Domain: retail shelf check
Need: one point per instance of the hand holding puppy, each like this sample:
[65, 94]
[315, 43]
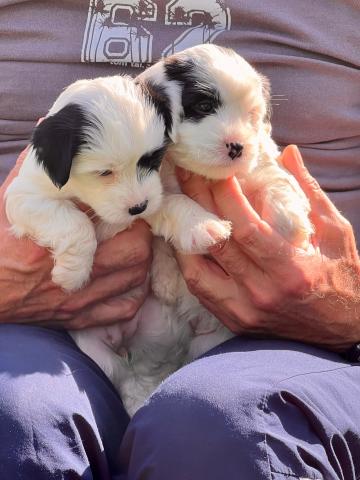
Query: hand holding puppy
[116, 291]
[259, 283]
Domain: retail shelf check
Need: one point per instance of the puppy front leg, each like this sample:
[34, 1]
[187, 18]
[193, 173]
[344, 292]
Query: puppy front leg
[188, 226]
[165, 272]
[58, 225]
[190, 229]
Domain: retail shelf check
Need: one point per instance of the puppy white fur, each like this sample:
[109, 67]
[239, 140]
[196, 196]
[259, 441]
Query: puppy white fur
[219, 125]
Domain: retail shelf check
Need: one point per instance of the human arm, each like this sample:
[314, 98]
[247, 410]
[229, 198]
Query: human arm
[117, 288]
[260, 284]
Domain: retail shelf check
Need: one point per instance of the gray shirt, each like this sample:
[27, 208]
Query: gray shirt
[309, 50]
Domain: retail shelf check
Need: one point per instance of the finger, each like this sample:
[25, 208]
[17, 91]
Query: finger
[258, 284]
[254, 236]
[334, 231]
[235, 262]
[104, 287]
[118, 308]
[210, 284]
[126, 249]
[216, 290]
[292, 160]
[197, 188]
[204, 278]
[108, 312]
[220, 313]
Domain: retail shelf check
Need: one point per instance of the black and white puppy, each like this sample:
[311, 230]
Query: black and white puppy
[101, 144]
[217, 115]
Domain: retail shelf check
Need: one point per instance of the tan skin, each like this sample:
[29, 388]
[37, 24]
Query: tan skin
[117, 289]
[258, 283]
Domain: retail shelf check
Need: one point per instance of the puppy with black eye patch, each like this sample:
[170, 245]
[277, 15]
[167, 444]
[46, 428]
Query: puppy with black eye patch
[217, 117]
[101, 144]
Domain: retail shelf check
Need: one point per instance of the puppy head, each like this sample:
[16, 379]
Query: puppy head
[219, 107]
[102, 143]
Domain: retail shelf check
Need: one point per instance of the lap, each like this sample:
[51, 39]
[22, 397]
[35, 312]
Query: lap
[258, 409]
[267, 409]
[59, 413]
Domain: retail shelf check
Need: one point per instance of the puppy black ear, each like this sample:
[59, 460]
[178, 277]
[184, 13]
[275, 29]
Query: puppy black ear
[159, 97]
[57, 139]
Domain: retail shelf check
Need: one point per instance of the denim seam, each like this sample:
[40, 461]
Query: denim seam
[293, 476]
[315, 373]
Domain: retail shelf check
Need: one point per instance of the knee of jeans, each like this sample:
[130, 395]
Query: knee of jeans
[194, 415]
[37, 398]
[197, 405]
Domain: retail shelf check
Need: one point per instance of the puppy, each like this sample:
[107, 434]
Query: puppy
[217, 115]
[101, 144]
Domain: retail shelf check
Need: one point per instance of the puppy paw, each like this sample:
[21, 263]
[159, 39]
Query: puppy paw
[205, 234]
[17, 231]
[70, 279]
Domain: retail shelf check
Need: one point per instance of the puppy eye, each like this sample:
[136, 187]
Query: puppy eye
[105, 173]
[205, 106]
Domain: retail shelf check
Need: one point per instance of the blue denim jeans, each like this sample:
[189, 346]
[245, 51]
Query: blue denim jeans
[249, 409]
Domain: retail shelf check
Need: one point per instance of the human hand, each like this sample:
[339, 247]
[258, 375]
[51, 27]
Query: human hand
[259, 283]
[117, 289]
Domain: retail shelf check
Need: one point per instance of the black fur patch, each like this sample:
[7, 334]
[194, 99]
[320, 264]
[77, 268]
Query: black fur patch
[195, 91]
[58, 139]
[161, 101]
[152, 160]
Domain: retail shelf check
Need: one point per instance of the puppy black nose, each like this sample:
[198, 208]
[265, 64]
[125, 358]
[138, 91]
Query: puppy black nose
[137, 209]
[234, 150]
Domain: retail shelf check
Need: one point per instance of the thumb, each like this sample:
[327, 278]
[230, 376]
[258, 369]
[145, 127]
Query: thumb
[292, 160]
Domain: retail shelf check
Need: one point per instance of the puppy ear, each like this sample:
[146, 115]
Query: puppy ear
[160, 99]
[57, 139]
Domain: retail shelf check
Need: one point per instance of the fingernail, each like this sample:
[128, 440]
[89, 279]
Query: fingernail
[217, 248]
[291, 158]
[182, 174]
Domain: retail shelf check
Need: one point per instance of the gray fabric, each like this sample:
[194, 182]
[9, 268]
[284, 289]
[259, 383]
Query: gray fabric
[309, 50]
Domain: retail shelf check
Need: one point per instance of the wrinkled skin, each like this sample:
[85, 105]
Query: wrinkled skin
[258, 283]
